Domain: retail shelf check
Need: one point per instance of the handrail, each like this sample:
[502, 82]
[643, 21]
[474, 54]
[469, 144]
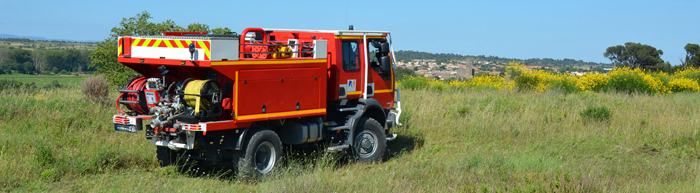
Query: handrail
[242, 39]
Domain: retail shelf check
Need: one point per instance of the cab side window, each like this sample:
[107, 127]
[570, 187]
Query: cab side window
[351, 56]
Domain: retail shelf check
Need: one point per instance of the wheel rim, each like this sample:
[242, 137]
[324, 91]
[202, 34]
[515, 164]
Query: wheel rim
[366, 144]
[265, 157]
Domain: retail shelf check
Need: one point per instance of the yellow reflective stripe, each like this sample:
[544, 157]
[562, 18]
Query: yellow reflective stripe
[157, 43]
[281, 114]
[120, 49]
[178, 43]
[217, 63]
[145, 42]
[167, 43]
[188, 42]
[136, 42]
[382, 91]
[355, 92]
[206, 50]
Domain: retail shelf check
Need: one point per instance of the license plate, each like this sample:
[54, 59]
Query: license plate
[127, 128]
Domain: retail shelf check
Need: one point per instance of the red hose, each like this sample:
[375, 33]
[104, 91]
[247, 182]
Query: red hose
[119, 108]
[138, 85]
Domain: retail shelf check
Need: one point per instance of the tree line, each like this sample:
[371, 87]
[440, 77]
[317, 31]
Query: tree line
[43, 61]
[408, 55]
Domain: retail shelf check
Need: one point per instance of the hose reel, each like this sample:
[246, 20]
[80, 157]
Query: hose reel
[202, 94]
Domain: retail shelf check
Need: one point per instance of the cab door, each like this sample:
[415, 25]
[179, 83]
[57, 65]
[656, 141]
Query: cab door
[381, 72]
[351, 68]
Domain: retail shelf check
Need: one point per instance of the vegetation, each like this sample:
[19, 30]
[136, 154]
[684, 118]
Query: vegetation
[452, 141]
[43, 61]
[692, 57]
[24, 43]
[635, 55]
[623, 80]
[96, 89]
[407, 55]
[44, 80]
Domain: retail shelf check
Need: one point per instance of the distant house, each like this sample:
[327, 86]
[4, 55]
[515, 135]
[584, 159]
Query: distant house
[466, 73]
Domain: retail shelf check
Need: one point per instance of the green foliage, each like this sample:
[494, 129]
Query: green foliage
[49, 174]
[414, 83]
[13, 84]
[43, 80]
[402, 73]
[54, 84]
[601, 113]
[563, 85]
[43, 154]
[42, 61]
[635, 55]
[692, 57]
[221, 31]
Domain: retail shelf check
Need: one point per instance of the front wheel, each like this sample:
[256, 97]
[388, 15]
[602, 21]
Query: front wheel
[369, 143]
[262, 153]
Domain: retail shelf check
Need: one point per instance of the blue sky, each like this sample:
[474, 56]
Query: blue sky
[579, 30]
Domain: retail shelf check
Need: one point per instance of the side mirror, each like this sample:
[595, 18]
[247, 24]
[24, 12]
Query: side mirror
[385, 64]
[384, 48]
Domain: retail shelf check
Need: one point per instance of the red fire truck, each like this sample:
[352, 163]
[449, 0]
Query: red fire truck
[237, 99]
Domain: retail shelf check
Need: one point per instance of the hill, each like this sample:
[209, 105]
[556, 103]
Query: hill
[403, 55]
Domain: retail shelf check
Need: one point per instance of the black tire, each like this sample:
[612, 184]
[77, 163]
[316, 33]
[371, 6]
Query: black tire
[166, 156]
[369, 142]
[262, 153]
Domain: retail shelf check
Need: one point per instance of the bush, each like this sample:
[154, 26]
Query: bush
[53, 84]
[13, 84]
[684, 85]
[96, 89]
[596, 113]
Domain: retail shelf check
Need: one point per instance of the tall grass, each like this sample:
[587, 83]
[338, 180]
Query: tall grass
[454, 140]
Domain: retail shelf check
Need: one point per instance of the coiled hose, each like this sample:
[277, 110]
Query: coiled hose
[138, 84]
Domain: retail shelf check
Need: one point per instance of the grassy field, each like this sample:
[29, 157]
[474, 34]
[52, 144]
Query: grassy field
[451, 141]
[42, 80]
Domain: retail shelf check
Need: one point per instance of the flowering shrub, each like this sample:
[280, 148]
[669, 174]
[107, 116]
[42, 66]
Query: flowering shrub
[623, 79]
[684, 85]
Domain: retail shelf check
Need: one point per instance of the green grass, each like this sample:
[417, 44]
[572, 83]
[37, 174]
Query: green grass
[451, 141]
[42, 80]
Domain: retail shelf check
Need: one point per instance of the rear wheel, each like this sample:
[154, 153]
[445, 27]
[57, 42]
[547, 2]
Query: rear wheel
[369, 142]
[262, 153]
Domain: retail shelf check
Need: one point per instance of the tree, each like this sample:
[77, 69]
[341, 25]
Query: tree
[38, 59]
[26, 68]
[220, 31]
[692, 57]
[635, 55]
[197, 27]
[4, 54]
